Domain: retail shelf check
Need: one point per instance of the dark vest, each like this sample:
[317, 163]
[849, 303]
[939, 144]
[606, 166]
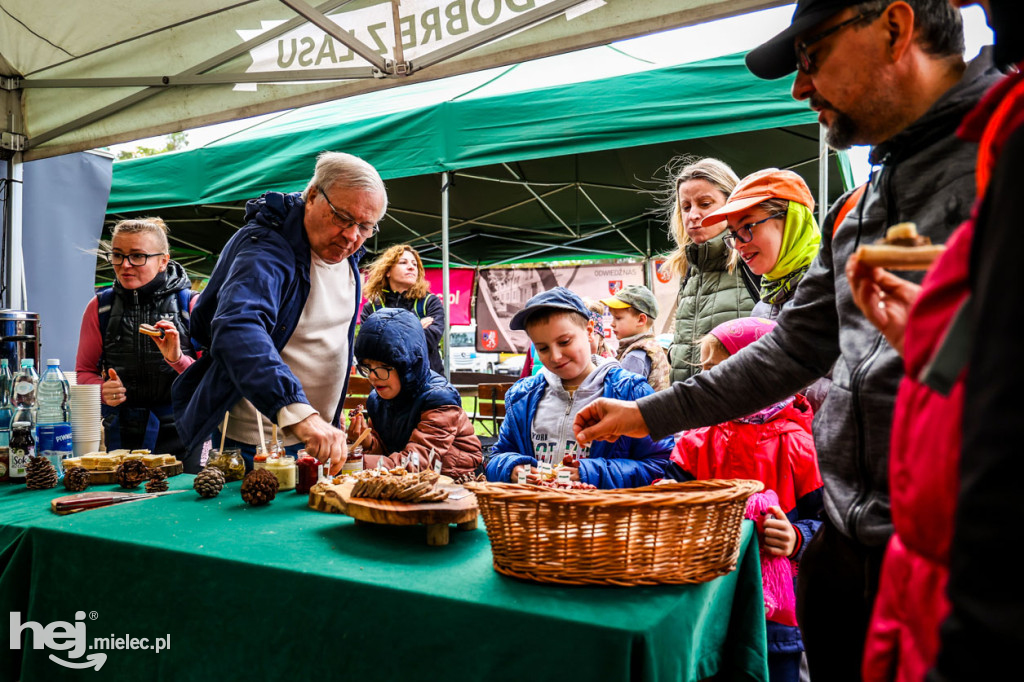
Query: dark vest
[146, 376]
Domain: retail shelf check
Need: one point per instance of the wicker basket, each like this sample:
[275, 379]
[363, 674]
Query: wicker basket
[665, 534]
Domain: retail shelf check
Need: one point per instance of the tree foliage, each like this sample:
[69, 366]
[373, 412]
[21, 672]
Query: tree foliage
[174, 142]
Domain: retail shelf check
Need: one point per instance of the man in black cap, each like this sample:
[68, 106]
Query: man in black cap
[888, 74]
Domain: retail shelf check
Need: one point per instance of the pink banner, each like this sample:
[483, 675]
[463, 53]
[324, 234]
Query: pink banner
[460, 291]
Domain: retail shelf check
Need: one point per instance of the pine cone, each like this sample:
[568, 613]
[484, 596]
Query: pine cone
[76, 479]
[131, 473]
[40, 474]
[157, 482]
[259, 487]
[209, 482]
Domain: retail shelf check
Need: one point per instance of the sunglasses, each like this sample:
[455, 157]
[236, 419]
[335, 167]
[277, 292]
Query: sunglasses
[804, 61]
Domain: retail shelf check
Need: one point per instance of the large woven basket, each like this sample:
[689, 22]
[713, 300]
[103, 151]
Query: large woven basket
[665, 534]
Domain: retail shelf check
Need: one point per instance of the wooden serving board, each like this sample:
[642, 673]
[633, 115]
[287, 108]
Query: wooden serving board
[436, 516]
[103, 477]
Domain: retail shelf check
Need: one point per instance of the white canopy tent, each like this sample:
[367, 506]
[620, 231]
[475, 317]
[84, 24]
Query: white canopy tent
[75, 76]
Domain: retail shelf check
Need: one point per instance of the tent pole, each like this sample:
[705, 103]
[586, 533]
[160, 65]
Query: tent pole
[16, 298]
[445, 184]
[822, 176]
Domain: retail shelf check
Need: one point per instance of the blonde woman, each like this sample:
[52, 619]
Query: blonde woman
[135, 373]
[712, 289]
[396, 280]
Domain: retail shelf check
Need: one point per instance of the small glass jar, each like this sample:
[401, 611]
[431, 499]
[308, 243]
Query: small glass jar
[354, 462]
[308, 472]
[230, 462]
[285, 470]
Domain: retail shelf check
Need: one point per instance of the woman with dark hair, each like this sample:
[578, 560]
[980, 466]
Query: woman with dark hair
[396, 280]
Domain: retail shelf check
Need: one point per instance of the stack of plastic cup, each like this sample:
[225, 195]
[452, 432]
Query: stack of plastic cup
[86, 418]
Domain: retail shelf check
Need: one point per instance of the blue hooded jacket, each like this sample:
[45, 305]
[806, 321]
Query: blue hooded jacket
[395, 337]
[626, 463]
[245, 316]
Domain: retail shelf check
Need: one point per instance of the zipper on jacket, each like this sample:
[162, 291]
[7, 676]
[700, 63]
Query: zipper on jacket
[694, 344]
[561, 427]
[860, 502]
[856, 511]
[140, 360]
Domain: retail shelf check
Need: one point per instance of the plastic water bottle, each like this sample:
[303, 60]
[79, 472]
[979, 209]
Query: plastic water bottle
[23, 395]
[53, 416]
[6, 407]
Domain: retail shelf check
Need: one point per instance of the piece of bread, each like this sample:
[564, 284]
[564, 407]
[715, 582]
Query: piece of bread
[150, 330]
[106, 462]
[152, 460]
[91, 461]
[901, 249]
[899, 257]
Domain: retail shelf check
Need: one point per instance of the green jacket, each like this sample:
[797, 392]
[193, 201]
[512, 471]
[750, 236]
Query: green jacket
[709, 296]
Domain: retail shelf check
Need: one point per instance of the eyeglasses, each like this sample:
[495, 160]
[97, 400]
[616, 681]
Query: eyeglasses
[136, 259]
[345, 221]
[379, 373]
[804, 62]
[744, 234]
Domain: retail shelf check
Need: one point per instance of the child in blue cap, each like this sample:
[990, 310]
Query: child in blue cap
[539, 410]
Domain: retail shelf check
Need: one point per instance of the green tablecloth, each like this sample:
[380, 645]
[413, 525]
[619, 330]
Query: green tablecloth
[285, 593]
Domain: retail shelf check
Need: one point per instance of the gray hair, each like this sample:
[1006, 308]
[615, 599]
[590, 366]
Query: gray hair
[154, 226]
[345, 170]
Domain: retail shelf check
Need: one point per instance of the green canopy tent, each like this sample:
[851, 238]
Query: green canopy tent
[560, 171]
[75, 76]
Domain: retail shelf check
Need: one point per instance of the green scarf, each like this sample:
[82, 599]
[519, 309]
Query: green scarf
[800, 241]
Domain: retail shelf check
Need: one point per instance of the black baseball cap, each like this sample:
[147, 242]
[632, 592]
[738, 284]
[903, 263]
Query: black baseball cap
[777, 57]
[558, 298]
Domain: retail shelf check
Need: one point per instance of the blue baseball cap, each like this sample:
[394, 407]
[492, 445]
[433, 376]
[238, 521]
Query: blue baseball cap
[558, 298]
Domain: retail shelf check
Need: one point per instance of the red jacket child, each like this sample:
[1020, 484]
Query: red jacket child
[774, 446]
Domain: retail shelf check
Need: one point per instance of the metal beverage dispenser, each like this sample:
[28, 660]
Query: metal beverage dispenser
[19, 337]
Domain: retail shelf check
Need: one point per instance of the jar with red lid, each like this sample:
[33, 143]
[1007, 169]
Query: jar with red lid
[308, 472]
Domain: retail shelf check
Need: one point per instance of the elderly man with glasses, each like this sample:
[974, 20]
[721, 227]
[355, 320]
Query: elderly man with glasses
[276, 322]
[890, 75]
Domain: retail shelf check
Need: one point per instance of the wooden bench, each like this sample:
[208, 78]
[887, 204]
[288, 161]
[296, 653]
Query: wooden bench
[491, 404]
[358, 391]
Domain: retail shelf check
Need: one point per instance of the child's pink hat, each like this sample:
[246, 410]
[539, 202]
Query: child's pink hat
[737, 334]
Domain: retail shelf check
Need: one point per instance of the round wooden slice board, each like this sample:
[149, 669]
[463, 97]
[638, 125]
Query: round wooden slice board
[338, 500]
[103, 477]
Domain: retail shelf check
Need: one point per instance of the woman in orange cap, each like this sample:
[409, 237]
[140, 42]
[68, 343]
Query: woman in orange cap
[772, 228]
